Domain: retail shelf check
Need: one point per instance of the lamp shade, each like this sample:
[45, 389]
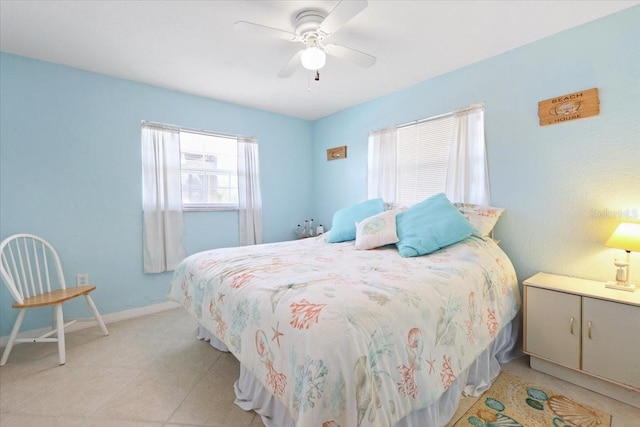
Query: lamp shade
[626, 237]
[313, 58]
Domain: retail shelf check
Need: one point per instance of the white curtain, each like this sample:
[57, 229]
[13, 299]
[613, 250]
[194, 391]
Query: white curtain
[381, 168]
[161, 199]
[249, 196]
[468, 174]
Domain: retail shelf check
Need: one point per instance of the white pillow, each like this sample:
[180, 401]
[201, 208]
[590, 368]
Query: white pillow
[483, 218]
[377, 230]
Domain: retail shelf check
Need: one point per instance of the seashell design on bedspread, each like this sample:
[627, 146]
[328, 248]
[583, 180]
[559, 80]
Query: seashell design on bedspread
[346, 337]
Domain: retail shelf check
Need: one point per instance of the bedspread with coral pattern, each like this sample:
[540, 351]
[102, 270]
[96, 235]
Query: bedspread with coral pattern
[344, 337]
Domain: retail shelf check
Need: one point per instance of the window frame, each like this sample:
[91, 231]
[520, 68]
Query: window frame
[208, 207]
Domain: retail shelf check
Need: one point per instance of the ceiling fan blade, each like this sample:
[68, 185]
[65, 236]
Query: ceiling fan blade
[291, 66]
[263, 30]
[341, 14]
[360, 58]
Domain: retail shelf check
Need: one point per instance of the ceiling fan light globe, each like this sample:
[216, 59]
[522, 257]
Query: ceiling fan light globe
[313, 58]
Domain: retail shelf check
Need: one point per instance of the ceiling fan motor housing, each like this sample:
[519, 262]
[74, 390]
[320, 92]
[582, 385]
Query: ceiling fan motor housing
[308, 24]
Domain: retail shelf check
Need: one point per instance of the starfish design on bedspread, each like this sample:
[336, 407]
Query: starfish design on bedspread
[276, 334]
[431, 362]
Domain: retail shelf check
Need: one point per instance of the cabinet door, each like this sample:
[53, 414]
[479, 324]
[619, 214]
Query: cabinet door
[553, 326]
[611, 340]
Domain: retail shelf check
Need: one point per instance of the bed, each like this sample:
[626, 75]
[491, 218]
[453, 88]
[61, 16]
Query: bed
[328, 335]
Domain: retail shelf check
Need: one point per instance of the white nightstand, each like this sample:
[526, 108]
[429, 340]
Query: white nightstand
[584, 333]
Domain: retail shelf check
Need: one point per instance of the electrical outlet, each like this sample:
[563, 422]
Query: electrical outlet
[82, 279]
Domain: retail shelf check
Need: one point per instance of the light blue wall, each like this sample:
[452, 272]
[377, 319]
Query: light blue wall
[554, 180]
[70, 159]
[70, 171]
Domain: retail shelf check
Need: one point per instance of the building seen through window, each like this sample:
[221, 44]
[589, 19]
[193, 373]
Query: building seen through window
[209, 171]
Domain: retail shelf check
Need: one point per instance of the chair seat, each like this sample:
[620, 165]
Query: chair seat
[54, 297]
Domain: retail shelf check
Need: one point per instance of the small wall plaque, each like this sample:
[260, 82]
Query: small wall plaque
[337, 153]
[577, 105]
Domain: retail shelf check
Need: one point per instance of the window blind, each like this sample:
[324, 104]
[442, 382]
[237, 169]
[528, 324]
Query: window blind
[422, 159]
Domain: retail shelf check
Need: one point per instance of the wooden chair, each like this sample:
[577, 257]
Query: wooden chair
[32, 271]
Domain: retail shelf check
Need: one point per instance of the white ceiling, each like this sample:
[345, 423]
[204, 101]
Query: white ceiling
[192, 46]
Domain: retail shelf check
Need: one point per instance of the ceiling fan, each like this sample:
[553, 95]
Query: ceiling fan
[312, 28]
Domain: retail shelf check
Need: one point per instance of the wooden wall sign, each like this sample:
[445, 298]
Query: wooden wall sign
[572, 106]
[337, 153]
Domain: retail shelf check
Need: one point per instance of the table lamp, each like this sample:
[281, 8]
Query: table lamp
[625, 237]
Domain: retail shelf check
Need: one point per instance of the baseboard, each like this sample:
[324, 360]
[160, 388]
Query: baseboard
[607, 388]
[108, 318]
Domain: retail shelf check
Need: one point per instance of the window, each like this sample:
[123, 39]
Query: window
[443, 154]
[422, 159]
[209, 171]
[194, 170]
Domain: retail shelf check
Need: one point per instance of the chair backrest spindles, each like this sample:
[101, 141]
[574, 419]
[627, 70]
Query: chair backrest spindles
[11, 271]
[20, 274]
[26, 260]
[37, 264]
[24, 285]
[36, 260]
[29, 279]
[46, 267]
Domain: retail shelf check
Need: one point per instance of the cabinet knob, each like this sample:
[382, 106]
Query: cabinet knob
[589, 329]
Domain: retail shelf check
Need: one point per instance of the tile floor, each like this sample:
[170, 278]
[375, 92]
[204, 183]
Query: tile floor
[152, 372]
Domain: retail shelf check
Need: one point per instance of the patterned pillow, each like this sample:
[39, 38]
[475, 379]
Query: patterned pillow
[377, 230]
[390, 206]
[483, 218]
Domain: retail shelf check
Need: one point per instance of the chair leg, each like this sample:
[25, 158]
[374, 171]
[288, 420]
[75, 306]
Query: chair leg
[12, 337]
[96, 314]
[60, 327]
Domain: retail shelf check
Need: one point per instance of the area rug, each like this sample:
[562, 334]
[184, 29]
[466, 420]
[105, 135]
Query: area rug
[513, 402]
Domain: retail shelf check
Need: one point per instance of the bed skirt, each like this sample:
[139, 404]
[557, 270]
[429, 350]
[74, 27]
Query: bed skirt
[252, 396]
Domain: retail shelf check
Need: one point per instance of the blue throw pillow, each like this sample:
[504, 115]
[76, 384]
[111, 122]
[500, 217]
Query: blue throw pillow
[343, 225]
[430, 225]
